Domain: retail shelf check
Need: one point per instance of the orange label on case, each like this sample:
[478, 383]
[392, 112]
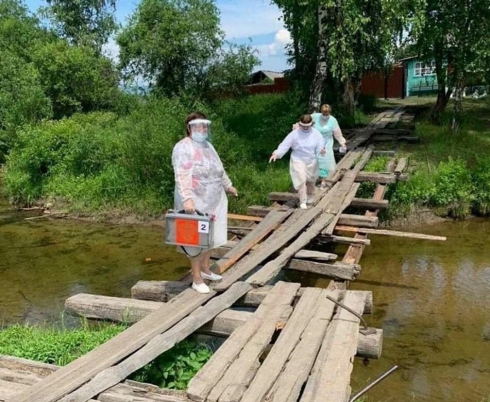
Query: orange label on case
[186, 232]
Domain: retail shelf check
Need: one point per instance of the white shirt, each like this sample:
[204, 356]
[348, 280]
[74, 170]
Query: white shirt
[305, 145]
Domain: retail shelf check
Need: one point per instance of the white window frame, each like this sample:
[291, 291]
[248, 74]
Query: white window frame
[423, 69]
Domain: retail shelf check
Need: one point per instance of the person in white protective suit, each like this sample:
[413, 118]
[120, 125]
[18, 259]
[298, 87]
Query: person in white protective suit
[201, 184]
[306, 144]
[328, 126]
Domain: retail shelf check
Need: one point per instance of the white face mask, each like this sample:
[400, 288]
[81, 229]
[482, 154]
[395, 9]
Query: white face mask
[199, 137]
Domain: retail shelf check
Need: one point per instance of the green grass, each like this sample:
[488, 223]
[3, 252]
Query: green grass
[451, 171]
[172, 369]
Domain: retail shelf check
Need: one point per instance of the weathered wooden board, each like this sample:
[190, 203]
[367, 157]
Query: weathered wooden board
[315, 255]
[395, 233]
[330, 378]
[370, 203]
[244, 218]
[344, 240]
[401, 165]
[73, 375]
[288, 386]
[271, 222]
[120, 309]
[158, 344]
[271, 368]
[289, 230]
[380, 177]
[237, 356]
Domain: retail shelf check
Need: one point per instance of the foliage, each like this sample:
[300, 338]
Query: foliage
[75, 78]
[176, 367]
[51, 345]
[177, 46]
[173, 369]
[83, 22]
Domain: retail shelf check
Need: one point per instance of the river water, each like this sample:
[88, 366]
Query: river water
[431, 299]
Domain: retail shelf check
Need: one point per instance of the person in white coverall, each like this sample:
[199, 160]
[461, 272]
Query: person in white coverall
[201, 184]
[306, 144]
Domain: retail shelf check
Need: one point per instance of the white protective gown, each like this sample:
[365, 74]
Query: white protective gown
[305, 146]
[200, 176]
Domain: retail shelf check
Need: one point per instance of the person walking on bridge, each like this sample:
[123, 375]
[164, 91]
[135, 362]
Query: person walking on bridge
[306, 144]
[201, 184]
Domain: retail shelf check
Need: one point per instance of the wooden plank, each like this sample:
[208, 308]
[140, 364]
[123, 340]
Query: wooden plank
[288, 386]
[400, 167]
[334, 202]
[380, 177]
[28, 372]
[395, 233]
[315, 255]
[270, 223]
[369, 203]
[344, 240]
[297, 222]
[120, 309]
[244, 218]
[159, 344]
[71, 376]
[407, 138]
[330, 378]
[271, 368]
[237, 356]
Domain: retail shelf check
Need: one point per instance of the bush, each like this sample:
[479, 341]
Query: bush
[481, 180]
[367, 103]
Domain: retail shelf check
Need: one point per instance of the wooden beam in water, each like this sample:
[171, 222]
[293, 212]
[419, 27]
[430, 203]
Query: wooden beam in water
[395, 233]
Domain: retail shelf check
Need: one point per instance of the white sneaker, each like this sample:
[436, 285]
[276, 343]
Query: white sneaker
[200, 288]
[212, 277]
[309, 201]
[303, 206]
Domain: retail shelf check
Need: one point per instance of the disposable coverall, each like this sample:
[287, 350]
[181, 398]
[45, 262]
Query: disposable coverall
[328, 130]
[200, 176]
[303, 164]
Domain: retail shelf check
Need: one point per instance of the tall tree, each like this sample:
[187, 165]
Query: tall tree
[83, 22]
[456, 36]
[178, 47]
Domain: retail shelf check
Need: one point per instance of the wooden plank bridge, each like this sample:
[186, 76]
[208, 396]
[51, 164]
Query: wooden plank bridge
[297, 345]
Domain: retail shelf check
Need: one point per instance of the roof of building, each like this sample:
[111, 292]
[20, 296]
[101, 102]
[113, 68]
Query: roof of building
[270, 74]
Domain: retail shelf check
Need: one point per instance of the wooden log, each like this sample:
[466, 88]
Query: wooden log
[270, 223]
[131, 310]
[359, 221]
[395, 233]
[345, 219]
[394, 131]
[271, 368]
[261, 211]
[73, 375]
[369, 203]
[384, 153]
[401, 166]
[152, 290]
[290, 382]
[158, 344]
[377, 177]
[407, 138]
[336, 270]
[228, 369]
[370, 346]
[283, 197]
[330, 377]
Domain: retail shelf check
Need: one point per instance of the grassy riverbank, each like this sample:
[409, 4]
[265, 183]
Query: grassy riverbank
[173, 369]
[117, 165]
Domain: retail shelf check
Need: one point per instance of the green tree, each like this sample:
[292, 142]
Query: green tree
[22, 99]
[76, 79]
[83, 22]
[177, 46]
[455, 36]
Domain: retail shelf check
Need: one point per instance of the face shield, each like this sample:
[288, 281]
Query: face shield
[305, 127]
[200, 130]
